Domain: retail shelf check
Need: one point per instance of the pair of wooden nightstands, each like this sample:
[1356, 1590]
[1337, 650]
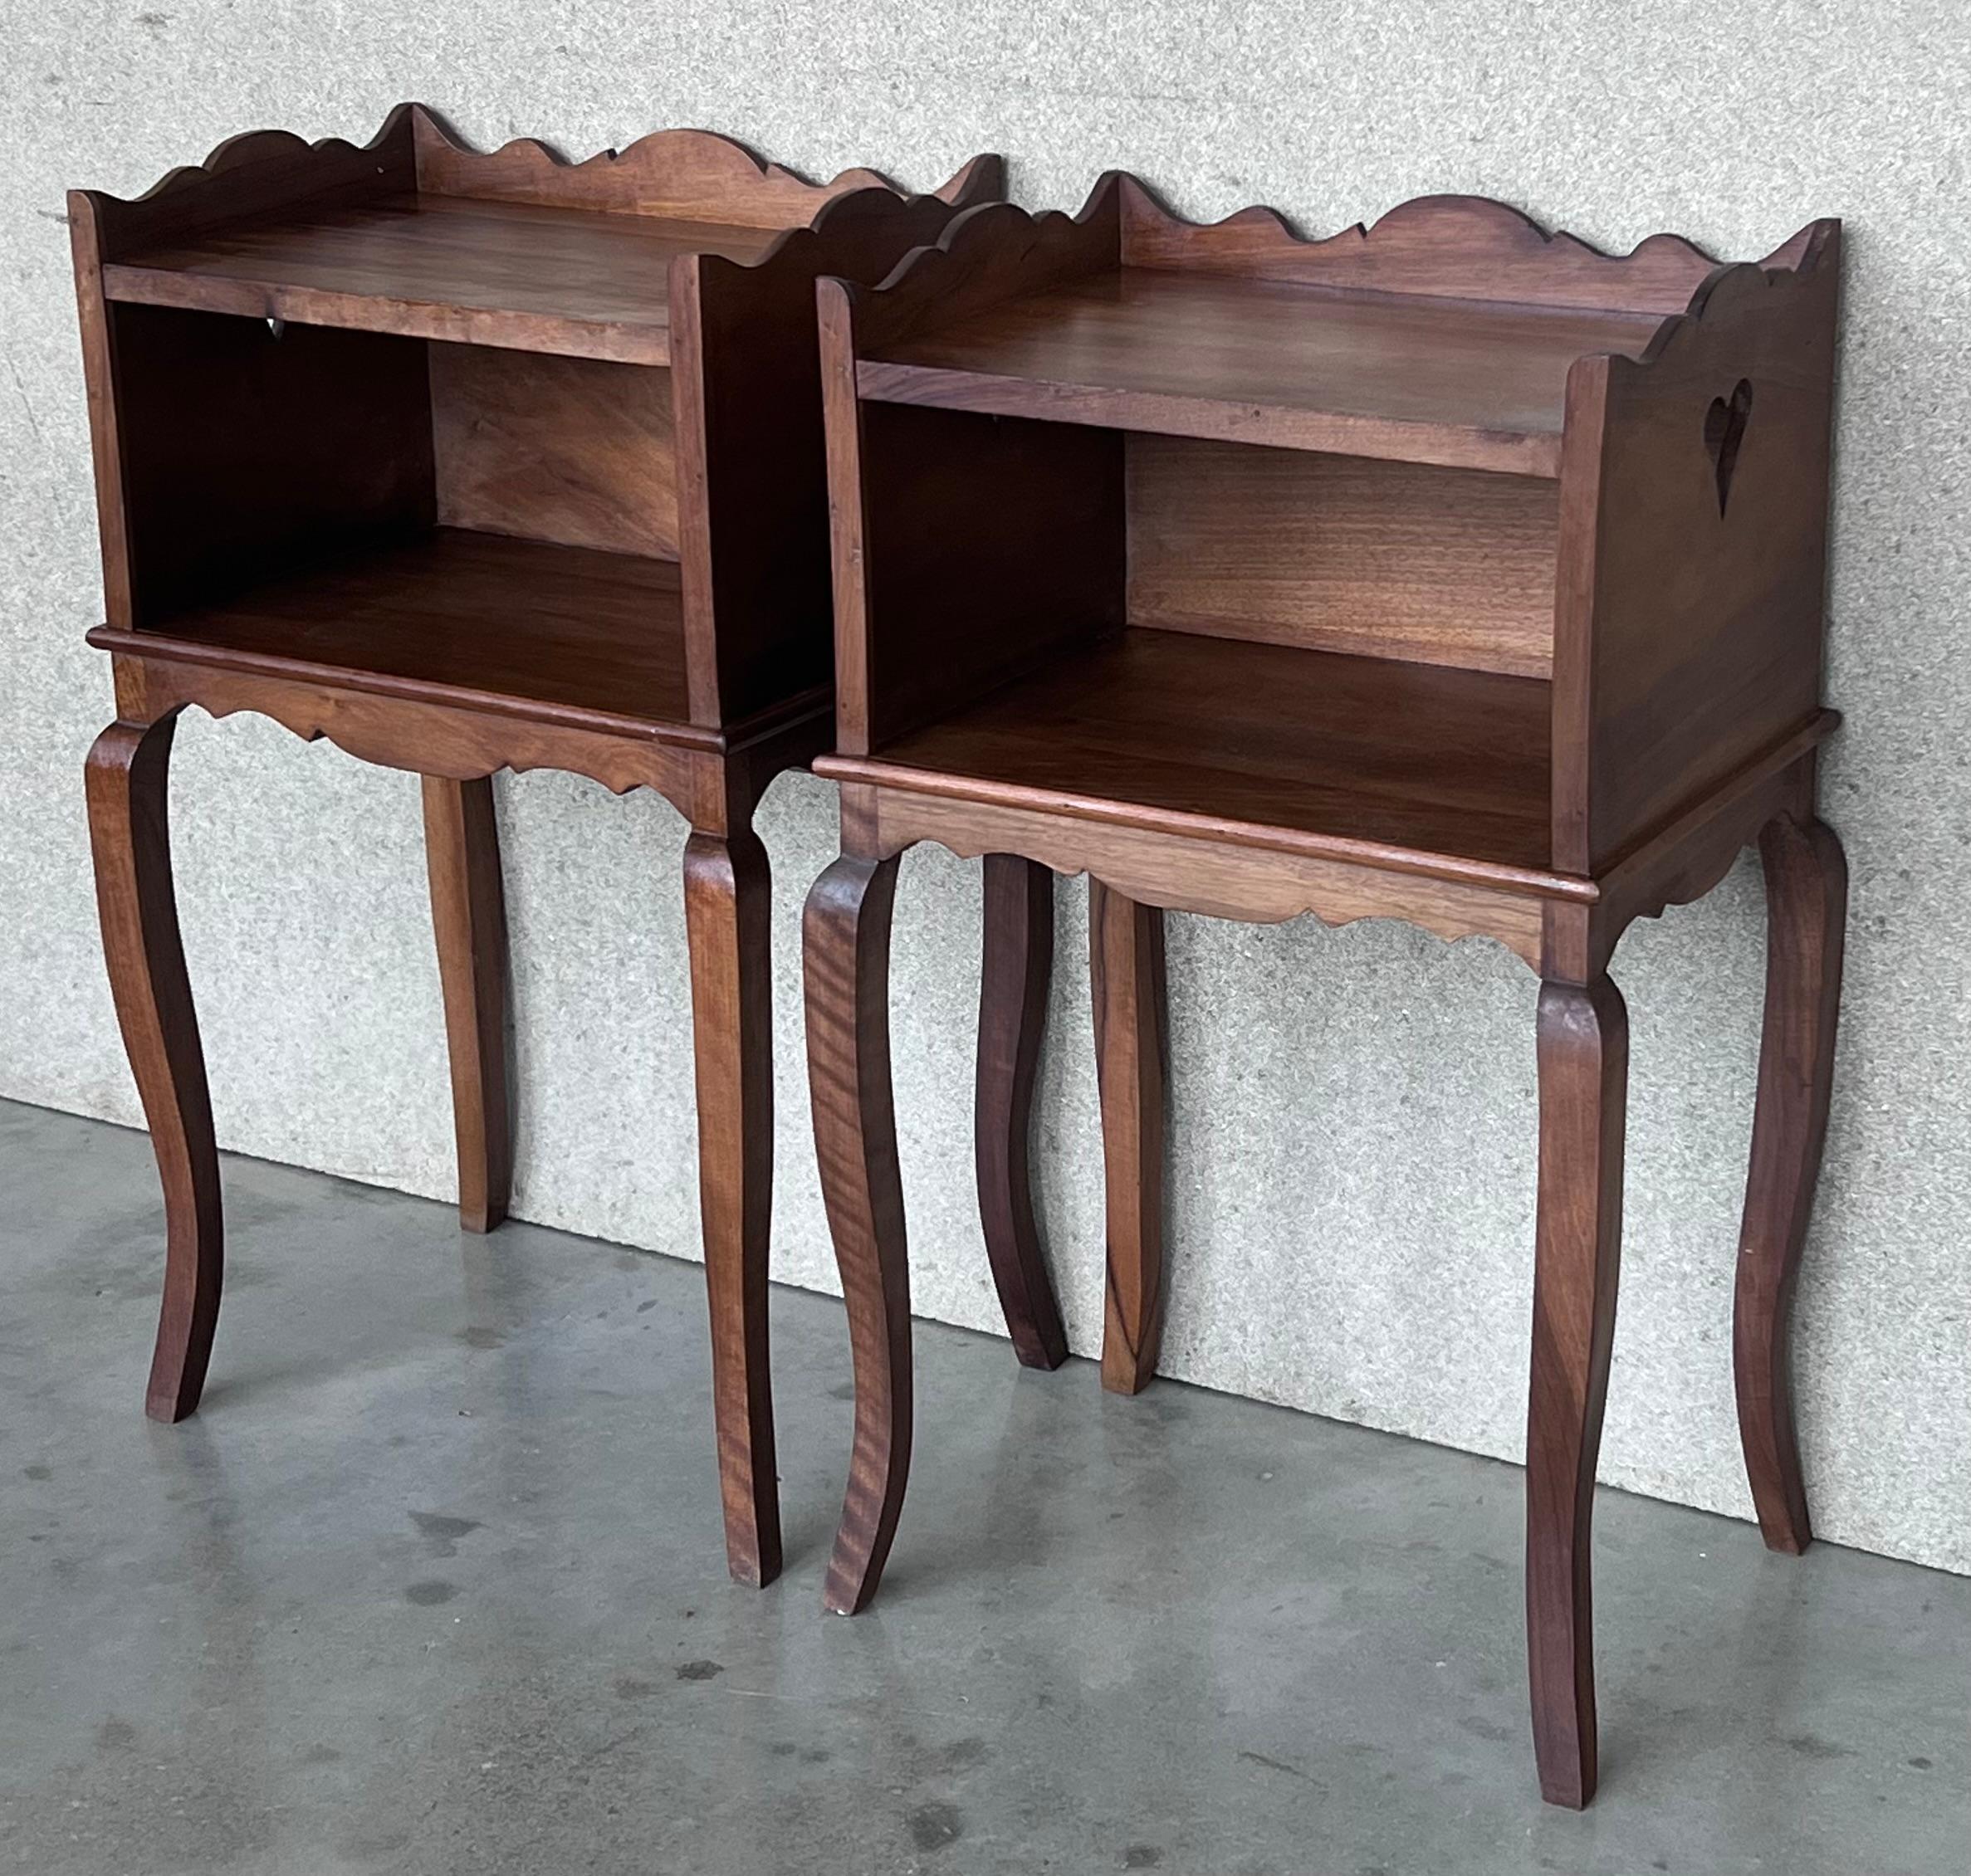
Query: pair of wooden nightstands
[1446, 571]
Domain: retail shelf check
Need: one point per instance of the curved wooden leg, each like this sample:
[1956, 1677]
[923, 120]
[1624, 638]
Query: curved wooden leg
[1806, 896]
[128, 774]
[1019, 962]
[1584, 1064]
[468, 917]
[1132, 1050]
[847, 968]
[727, 901]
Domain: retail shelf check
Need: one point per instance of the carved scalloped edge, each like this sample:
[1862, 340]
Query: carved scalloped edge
[1413, 247]
[1508, 232]
[422, 132]
[1281, 909]
[256, 146]
[976, 180]
[1727, 290]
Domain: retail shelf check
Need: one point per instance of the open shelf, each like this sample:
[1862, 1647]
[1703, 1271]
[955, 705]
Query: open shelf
[572, 282]
[1257, 737]
[525, 627]
[1459, 382]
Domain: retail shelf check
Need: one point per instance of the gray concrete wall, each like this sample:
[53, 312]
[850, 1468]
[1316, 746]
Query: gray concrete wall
[1315, 1072]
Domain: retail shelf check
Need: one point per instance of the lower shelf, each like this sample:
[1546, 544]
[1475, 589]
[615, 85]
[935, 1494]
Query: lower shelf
[459, 616]
[1419, 757]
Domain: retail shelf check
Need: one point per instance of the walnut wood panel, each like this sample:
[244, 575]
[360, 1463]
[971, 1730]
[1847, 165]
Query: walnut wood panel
[1337, 553]
[1415, 380]
[574, 450]
[1693, 552]
[1371, 750]
[244, 452]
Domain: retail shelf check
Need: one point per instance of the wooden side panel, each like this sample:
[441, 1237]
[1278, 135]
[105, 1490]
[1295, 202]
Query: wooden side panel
[752, 480]
[1342, 554]
[577, 451]
[1688, 635]
[247, 451]
[992, 545]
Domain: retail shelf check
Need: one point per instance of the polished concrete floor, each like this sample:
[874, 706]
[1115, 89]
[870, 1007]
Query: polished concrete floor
[433, 1583]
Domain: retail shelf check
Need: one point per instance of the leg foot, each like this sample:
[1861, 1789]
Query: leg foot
[1806, 891]
[847, 942]
[727, 898]
[128, 772]
[1584, 1061]
[1132, 1047]
[1018, 963]
[468, 916]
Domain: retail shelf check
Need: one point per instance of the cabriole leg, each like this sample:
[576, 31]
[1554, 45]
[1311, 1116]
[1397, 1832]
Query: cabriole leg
[1807, 894]
[128, 774]
[727, 900]
[468, 917]
[847, 967]
[1583, 1065]
[1131, 1047]
[1018, 963]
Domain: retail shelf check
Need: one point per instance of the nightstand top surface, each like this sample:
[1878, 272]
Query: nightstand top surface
[567, 280]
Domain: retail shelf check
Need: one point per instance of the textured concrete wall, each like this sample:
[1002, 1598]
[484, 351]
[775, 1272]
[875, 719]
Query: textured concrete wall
[1353, 1114]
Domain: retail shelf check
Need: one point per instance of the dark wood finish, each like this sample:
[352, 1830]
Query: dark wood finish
[1584, 1067]
[1017, 966]
[468, 917]
[1282, 743]
[568, 450]
[1688, 638]
[728, 907]
[1131, 1066]
[470, 461]
[1197, 355]
[561, 634]
[845, 963]
[1806, 894]
[1335, 553]
[1513, 631]
[129, 772]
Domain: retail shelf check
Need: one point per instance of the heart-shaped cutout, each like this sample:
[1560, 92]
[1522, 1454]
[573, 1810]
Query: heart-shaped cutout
[1724, 430]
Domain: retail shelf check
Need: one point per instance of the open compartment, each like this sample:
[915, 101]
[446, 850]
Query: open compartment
[494, 429]
[1334, 527]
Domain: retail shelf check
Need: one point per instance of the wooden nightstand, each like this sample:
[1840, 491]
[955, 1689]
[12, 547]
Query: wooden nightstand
[1446, 571]
[470, 463]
